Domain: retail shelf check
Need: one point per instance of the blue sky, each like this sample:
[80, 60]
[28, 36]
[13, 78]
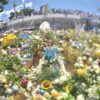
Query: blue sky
[85, 5]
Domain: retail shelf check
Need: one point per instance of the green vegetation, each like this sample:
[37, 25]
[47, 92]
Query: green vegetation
[25, 12]
[2, 3]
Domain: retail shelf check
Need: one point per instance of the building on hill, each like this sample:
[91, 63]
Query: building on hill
[44, 9]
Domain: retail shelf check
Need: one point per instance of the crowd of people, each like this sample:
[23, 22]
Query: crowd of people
[80, 26]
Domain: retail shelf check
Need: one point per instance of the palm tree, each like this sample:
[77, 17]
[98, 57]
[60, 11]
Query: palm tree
[14, 7]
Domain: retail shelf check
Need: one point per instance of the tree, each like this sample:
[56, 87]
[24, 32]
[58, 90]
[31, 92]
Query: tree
[2, 3]
[11, 15]
[27, 11]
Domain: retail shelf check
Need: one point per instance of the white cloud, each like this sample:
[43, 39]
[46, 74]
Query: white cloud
[29, 4]
[18, 8]
[23, 1]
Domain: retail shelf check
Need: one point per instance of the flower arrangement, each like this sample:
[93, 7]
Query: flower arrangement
[46, 81]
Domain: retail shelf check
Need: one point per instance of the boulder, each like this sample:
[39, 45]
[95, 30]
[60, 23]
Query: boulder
[44, 26]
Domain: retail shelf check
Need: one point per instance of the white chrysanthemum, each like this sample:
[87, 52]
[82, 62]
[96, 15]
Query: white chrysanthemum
[96, 66]
[80, 97]
[81, 64]
[84, 58]
[83, 85]
[92, 92]
[97, 71]
[6, 72]
[63, 78]
[90, 60]
[9, 91]
[36, 37]
[29, 85]
[1, 39]
[56, 81]
[98, 78]
[79, 59]
[76, 65]
[4, 52]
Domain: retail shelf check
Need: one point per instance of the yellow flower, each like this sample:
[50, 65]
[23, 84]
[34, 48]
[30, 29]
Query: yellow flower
[59, 98]
[9, 38]
[71, 31]
[54, 93]
[97, 53]
[37, 97]
[4, 80]
[81, 72]
[68, 88]
[11, 98]
[46, 84]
